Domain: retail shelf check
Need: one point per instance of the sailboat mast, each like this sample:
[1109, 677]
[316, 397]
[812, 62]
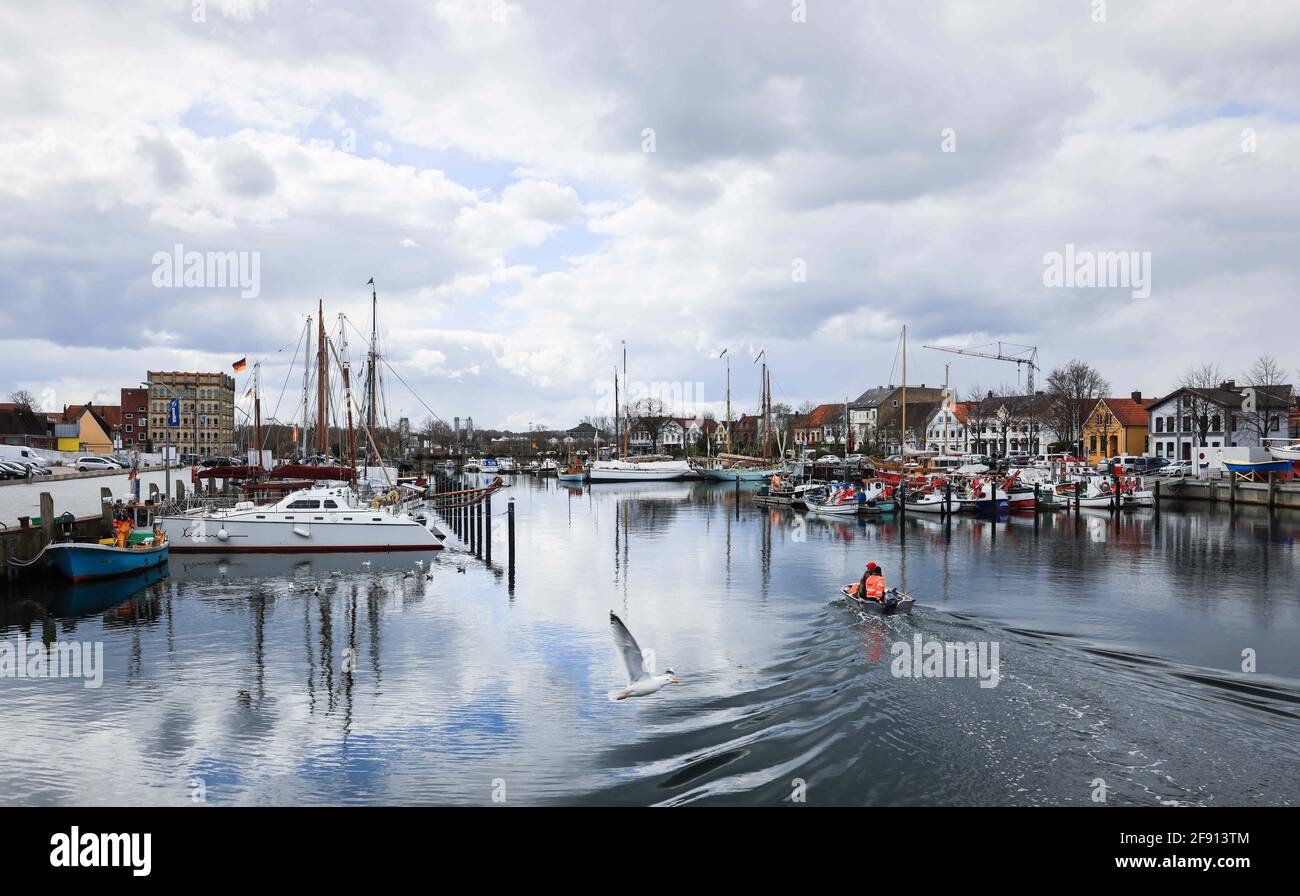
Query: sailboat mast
[306, 386]
[257, 414]
[374, 332]
[728, 404]
[947, 398]
[618, 432]
[902, 451]
[627, 416]
[347, 395]
[322, 382]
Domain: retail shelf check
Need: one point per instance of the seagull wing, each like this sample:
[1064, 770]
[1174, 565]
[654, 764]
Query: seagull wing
[628, 647]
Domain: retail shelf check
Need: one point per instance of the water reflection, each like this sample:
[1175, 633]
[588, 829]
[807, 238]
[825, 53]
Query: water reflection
[356, 678]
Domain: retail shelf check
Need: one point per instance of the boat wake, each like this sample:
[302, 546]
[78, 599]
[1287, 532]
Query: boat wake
[1069, 722]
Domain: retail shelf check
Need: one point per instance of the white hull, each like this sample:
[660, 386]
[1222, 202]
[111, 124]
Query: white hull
[1291, 453]
[280, 529]
[848, 508]
[652, 471]
[929, 506]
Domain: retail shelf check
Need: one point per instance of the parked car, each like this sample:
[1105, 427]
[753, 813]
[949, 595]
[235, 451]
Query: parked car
[93, 462]
[1174, 468]
[1019, 459]
[828, 459]
[855, 458]
[1130, 462]
[10, 470]
[217, 461]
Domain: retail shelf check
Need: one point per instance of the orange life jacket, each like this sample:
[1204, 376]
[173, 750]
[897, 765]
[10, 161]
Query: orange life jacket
[875, 587]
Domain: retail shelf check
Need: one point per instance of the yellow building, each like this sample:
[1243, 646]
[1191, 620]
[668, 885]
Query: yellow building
[93, 434]
[1117, 426]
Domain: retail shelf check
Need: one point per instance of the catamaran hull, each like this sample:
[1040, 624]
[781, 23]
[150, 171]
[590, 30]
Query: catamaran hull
[233, 536]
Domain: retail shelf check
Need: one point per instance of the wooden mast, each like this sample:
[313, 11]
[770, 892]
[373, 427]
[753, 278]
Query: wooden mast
[322, 381]
[345, 366]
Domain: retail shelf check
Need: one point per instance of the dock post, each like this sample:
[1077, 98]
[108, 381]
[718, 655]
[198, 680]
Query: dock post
[487, 529]
[1232, 489]
[180, 492]
[1037, 507]
[1272, 490]
[478, 528]
[947, 496]
[1078, 489]
[47, 518]
[1155, 496]
[106, 508]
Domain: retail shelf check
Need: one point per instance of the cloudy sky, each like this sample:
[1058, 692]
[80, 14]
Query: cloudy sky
[529, 184]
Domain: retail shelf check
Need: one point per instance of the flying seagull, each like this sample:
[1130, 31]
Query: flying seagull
[640, 683]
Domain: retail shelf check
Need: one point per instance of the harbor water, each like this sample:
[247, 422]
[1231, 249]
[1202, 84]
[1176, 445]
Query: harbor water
[1151, 659]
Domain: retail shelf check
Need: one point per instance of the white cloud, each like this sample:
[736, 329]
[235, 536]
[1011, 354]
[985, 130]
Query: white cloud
[507, 150]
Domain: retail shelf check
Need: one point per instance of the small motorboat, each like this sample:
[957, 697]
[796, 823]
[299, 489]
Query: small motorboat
[838, 499]
[901, 603]
[1138, 498]
[926, 502]
[574, 472]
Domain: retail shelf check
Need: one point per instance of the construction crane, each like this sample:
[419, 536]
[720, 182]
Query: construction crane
[1019, 358]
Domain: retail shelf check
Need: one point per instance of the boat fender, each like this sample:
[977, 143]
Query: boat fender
[222, 534]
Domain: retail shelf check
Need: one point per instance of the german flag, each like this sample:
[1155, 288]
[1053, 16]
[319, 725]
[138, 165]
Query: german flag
[240, 364]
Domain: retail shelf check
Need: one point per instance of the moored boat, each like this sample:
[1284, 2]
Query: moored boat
[305, 521]
[137, 546]
[631, 471]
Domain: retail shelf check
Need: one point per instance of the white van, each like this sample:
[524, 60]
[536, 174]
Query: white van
[21, 454]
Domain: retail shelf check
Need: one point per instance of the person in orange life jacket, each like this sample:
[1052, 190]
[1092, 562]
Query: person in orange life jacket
[872, 584]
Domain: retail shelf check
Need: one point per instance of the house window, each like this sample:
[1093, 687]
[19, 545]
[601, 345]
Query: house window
[1214, 423]
[1160, 424]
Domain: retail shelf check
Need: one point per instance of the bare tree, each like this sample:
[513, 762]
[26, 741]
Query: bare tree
[1265, 411]
[1073, 390]
[1198, 403]
[23, 398]
[977, 417]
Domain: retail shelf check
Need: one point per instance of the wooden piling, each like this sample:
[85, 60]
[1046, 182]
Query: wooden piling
[106, 508]
[1272, 490]
[180, 492]
[487, 529]
[47, 518]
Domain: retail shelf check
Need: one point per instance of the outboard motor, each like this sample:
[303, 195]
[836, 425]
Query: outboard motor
[66, 524]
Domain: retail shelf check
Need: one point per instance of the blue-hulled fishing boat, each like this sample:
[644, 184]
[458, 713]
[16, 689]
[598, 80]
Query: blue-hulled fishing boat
[136, 546]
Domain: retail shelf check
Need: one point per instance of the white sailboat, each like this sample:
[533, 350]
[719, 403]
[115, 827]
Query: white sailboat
[625, 470]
